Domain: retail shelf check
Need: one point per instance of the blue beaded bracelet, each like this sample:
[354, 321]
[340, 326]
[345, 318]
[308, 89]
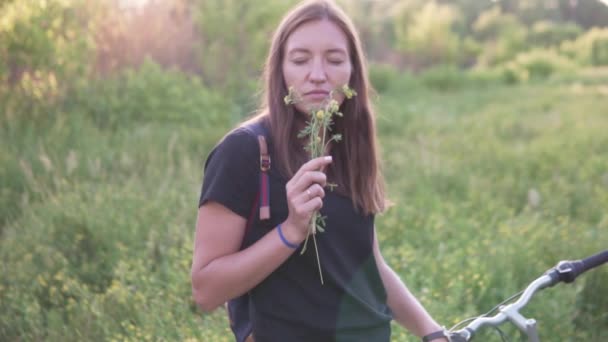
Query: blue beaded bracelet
[287, 243]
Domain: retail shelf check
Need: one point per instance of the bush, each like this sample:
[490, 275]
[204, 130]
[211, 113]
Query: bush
[588, 49]
[96, 263]
[599, 51]
[382, 76]
[513, 73]
[42, 38]
[484, 76]
[546, 33]
[148, 94]
[503, 37]
[492, 23]
[428, 36]
[592, 313]
[449, 77]
[535, 64]
[444, 77]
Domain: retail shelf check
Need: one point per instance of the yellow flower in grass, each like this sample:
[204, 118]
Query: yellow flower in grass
[320, 114]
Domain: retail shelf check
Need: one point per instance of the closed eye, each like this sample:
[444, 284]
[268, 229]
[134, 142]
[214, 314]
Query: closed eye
[336, 57]
[299, 61]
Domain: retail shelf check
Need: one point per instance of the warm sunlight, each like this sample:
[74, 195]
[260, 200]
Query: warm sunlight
[132, 4]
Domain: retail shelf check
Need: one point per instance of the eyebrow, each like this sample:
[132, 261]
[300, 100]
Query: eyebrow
[303, 50]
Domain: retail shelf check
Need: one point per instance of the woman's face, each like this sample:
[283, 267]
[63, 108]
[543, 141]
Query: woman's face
[316, 61]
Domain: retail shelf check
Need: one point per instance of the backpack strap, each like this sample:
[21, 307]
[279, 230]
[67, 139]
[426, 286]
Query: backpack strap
[264, 197]
[239, 308]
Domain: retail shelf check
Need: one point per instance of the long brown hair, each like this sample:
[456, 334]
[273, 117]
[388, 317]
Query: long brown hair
[355, 167]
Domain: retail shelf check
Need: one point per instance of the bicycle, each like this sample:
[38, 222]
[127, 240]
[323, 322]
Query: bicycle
[565, 271]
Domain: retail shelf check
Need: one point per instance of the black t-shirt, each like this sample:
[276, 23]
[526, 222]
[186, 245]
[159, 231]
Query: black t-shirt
[291, 304]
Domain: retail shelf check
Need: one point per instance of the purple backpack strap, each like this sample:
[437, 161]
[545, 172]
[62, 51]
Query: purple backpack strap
[264, 183]
[262, 199]
[238, 308]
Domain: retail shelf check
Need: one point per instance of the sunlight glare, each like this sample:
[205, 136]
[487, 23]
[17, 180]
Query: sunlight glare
[132, 4]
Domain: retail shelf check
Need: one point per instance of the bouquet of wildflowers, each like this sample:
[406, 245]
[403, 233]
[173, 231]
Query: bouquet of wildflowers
[318, 134]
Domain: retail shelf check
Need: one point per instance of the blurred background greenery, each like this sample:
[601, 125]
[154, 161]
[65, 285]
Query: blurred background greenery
[493, 120]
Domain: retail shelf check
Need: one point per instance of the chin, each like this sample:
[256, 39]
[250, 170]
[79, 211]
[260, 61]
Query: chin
[307, 107]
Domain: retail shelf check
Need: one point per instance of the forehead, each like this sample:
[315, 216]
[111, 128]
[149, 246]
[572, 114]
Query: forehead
[317, 35]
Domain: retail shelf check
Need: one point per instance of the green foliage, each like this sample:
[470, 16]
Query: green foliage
[382, 76]
[99, 264]
[147, 94]
[599, 51]
[492, 23]
[503, 36]
[43, 37]
[101, 246]
[444, 77]
[99, 177]
[96, 242]
[593, 314]
[589, 48]
[546, 33]
[467, 163]
[375, 22]
[450, 78]
[235, 40]
[427, 35]
[512, 73]
[483, 77]
[537, 64]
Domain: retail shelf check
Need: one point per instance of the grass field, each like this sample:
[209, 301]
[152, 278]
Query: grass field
[492, 185]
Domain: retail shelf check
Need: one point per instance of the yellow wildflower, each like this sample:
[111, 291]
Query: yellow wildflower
[333, 106]
[348, 92]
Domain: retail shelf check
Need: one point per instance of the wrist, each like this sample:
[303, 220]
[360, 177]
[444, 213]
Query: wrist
[439, 335]
[289, 235]
[292, 232]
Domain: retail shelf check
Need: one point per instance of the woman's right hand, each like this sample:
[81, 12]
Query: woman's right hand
[304, 196]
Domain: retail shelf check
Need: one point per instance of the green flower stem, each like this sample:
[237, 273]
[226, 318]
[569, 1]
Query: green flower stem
[316, 130]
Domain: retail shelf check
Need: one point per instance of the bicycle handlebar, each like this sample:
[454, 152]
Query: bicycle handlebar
[565, 271]
[569, 270]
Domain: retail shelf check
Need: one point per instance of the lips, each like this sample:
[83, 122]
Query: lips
[320, 91]
[317, 94]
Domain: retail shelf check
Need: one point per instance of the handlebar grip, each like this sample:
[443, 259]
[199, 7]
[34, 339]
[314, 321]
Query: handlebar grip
[567, 271]
[591, 262]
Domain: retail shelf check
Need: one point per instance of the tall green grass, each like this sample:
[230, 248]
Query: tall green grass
[492, 185]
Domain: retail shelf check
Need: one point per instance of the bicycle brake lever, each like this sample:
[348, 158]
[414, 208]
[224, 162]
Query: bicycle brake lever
[460, 336]
[564, 271]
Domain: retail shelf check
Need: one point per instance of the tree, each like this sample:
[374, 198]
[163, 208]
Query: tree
[235, 37]
[427, 34]
[44, 45]
[502, 34]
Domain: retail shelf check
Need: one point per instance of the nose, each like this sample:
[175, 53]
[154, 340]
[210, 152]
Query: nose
[317, 72]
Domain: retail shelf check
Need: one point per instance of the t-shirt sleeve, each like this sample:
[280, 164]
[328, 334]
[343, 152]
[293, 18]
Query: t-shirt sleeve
[232, 173]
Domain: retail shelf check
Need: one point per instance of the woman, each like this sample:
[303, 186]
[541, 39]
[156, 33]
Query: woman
[314, 51]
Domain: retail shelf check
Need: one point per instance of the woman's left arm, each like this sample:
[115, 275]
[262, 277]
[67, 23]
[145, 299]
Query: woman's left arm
[406, 309]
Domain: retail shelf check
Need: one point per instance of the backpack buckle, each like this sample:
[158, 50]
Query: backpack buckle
[264, 163]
